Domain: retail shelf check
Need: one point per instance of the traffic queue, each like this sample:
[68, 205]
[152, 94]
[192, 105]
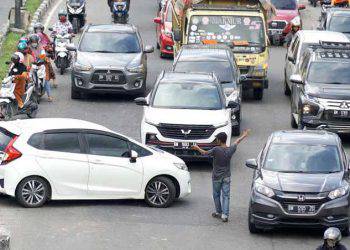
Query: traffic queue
[220, 51]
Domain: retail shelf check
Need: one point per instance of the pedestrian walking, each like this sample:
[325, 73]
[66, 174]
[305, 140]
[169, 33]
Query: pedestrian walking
[50, 75]
[221, 175]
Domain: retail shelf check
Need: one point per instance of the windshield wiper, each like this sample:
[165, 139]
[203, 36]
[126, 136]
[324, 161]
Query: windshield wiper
[335, 83]
[295, 171]
[103, 51]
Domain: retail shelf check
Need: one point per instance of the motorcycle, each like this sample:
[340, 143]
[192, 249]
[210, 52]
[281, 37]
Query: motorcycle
[76, 14]
[62, 55]
[37, 75]
[120, 11]
[8, 104]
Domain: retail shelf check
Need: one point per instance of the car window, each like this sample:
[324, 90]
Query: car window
[62, 142]
[296, 48]
[36, 140]
[304, 66]
[106, 145]
[336, 73]
[294, 43]
[169, 13]
[140, 150]
[340, 24]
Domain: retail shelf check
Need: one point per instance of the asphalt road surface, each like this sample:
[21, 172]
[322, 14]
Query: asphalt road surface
[131, 224]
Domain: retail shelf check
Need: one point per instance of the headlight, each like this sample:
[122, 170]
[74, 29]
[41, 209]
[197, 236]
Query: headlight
[310, 108]
[232, 94]
[339, 192]
[264, 190]
[137, 69]
[181, 166]
[296, 21]
[81, 67]
[151, 123]
[222, 124]
[167, 33]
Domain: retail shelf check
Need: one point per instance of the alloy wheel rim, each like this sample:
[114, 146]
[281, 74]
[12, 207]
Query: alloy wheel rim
[158, 193]
[33, 192]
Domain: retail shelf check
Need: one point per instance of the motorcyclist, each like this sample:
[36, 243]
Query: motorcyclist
[35, 46]
[19, 72]
[28, 58]
[332, 237]
[63, 26]
[110, 4]
[44, 38]
[296, 26]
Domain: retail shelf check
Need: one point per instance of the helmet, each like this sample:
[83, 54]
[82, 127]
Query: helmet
[62, 15]
[332, 236]
[23, 39]
[17, 57]
[22, 46]
[34, 40]
[39, 26]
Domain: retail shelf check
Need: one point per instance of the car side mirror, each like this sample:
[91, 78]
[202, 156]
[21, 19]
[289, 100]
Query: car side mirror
[71, 47]
[291, 59]
[232, 105]
[141, 101]
[148, 49]
[243, 78]
[177, 35]
[133, 156]
[251, 163]
[296, 78]
[157, 20]
[301, 7]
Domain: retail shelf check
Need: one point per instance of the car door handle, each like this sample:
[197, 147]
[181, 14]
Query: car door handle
[96, 161]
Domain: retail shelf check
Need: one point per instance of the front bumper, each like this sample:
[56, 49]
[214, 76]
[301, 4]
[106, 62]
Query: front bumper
[313, 122]
[184, 180]
[267, 213]
[166, 45]
[255, 83]
[82, 81]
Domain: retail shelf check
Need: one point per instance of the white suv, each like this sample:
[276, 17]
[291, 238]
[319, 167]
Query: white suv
[70, 159]
[185, 109]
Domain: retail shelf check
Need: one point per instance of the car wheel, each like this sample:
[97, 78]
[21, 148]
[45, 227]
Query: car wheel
[75, 94]
[158, 46]
[160, 192]
[251, 225]
[32, 192]
[258, 94]
[293, 124]
[287, 91]
[236, 130]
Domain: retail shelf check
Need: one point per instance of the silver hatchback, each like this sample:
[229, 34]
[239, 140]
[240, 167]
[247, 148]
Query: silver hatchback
[109, 59]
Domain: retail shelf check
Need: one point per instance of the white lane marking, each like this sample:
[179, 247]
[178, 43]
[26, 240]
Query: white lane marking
[52, 12]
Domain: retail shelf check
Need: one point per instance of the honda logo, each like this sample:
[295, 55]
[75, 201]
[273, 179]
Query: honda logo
[185, 132]
[344, 105]
[301, 198]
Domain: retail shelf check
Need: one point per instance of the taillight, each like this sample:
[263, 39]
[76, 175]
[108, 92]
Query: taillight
[10, 152]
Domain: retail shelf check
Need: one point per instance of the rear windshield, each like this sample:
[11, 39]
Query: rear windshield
[5, 138]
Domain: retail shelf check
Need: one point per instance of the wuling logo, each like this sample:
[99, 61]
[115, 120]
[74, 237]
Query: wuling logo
[185, 132]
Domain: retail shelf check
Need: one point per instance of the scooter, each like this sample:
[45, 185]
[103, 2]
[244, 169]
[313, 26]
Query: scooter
[9, 105]
[62, 55]
[76, 14]
[120, 11]
[37, 75]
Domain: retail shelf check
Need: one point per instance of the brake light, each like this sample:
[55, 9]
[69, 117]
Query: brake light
[10, 152]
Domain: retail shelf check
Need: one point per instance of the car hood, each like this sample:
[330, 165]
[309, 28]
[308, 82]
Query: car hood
[299, 182]
[186, 116]
[329, 91]
[286, 15]
[119, 60]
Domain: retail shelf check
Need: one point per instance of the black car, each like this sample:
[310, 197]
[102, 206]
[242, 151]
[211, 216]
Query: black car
[300, 180]
[321, 88]
[335, 19]
[217, 59]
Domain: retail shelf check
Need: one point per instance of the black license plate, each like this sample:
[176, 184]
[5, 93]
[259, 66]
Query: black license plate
[108, 77]
[341, 113]
[184, 145]
[302, 209]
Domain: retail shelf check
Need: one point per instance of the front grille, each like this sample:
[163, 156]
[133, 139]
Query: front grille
[186, 132]
[277, 25]
[244, 70]
[108, 77]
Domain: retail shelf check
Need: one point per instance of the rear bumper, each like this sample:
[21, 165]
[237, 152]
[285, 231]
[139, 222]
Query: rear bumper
[255, 83]
[166, 45]
[268, 213]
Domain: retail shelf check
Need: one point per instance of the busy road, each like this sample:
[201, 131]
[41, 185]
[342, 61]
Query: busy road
[188, 223]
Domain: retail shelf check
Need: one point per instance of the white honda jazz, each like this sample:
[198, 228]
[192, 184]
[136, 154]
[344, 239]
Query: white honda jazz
[69, 159]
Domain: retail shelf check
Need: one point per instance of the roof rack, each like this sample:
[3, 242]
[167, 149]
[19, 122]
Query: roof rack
[224, 7]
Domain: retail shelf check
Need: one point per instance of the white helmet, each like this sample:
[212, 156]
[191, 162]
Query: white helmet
[21, 56]
[332, 235]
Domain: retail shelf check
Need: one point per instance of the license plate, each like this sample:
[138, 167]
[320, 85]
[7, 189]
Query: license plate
[302, 209]
[184, 145]
[275, 32]
[108, 77]
[341, 113]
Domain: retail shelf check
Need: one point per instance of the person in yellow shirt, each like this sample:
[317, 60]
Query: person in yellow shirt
[340, 3]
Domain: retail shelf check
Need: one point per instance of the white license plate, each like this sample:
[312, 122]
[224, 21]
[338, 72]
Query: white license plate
[341, 113]
[302, 209]
[275, 32]
[184, 145]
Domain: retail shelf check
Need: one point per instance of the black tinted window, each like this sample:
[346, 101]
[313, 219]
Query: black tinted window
[36, 140]
[5, 138]
[140, 150]
[107, 145]
[62, 142]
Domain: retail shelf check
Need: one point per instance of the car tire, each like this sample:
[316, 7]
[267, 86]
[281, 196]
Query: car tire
[158, 46]
[251, 225]
[287, 90]
[293, 123]
[38, 186]
[75, 94]
[166, 192]
[236, 130]
[258, 94]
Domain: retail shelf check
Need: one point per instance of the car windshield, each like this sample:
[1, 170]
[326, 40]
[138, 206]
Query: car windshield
[222, 69]
[329, 73]
[169, 14]
[298, 158]
[340, 24]
[284, 4]
[106, 42]
[237, 30]
[187, 96]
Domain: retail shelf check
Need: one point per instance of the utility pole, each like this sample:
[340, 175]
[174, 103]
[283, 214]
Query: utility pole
[18, 22]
